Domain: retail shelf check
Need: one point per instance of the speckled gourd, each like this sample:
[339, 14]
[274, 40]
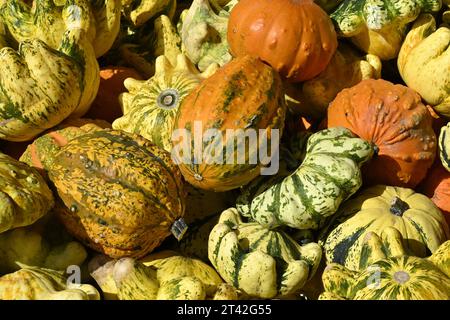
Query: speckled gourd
[389, 272]
[120, 194]
[261, 262]
[24, 194]
[150, 107]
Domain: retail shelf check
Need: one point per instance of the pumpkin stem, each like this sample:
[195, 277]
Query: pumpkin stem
[398, 206]
[179, 228]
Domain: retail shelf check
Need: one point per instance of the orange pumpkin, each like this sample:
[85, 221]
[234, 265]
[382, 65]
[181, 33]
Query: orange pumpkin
[296, 37]
[436, 186]
[106, 105]
[399, 125]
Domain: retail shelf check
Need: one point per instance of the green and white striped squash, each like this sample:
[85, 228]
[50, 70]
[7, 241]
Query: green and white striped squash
[45, 20]
[58, 84]
[388, 274]
[329, 174]
[260, 262]
[421, 223]
[138, 12]
[150, 107]
[444, 146]
[379, 27]
[204, 34]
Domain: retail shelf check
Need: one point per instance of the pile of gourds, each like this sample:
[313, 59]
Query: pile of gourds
[98, 200]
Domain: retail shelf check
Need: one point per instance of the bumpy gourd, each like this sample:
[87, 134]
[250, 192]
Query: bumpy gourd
[41, 152]
[150, 107]
[162, 276]
[346, 69]
[329, 174]
[59, 83]
[44, 20]
[32, 283]
[444, 146]
[165, 42]
[261, 262]
[417, 218]
[141, 11]
[379, 27]
[24, 194]
[389, 273]
[423, 56]
[204, 34]
[121, 195]
[30, 247]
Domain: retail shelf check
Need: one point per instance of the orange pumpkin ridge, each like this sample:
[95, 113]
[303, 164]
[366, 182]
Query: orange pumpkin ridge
[394, 119]
[296, 37]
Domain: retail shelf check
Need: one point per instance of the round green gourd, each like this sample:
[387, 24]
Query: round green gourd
[329, 174]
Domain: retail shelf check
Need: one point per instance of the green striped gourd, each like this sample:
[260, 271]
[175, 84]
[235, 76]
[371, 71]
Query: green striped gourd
[260, 262]
[444, 146]
[379, 27]
[389, 273]
[120, 194]
[421, 223]
[40, 153]
[204, 34]
[329, 174]
[59, 84]
[45, 20]
[150, 107]
[33, 283]
[140, 11]
[24, 194]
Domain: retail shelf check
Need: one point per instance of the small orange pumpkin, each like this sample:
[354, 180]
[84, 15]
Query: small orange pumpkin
[399, 125]
[296, 37]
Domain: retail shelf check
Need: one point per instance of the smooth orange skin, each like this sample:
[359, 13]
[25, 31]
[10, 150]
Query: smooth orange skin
[296, 37]
[399, 125]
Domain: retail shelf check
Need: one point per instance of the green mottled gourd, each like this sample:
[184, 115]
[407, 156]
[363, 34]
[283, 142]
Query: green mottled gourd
[32, 283]
[120, 194]
[444, 146]
[379, 27]
[24, 194]
[165, 42]
[389, 273]
[416, 217]
[260, 262]
[204, 34]
[44, 20]
[422, 57]
[141, 11]
[59, 84]
[150, 107]
[329, 174]
[41, 152]
[27, 246]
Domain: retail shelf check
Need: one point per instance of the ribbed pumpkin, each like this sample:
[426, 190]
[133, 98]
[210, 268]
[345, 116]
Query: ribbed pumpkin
[24, 194]
[150, 107]
[245, 94]
[329, 174]
[261, 262]
[392, 118]
[389, 273]
[40, 153]
[444, 146]
[421, 223]
[121, 194]
[296, 37]
[436, 186]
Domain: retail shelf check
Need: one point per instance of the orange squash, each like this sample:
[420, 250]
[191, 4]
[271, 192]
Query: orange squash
[399, 125]
[296, 37]
[436, 186]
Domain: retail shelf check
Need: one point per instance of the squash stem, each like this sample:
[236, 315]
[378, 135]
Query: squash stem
[398, 207]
